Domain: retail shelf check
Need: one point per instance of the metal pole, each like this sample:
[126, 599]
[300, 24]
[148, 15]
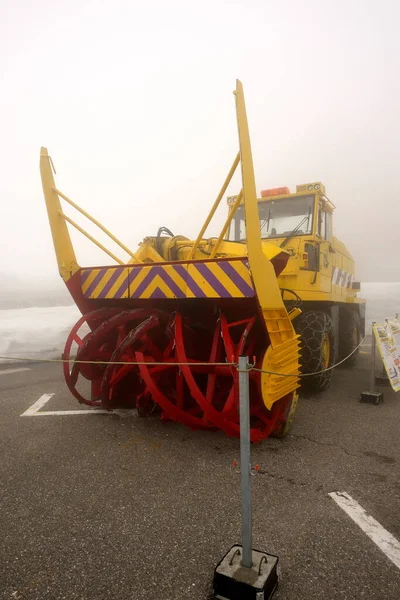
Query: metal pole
[373, 358]
[247, 560]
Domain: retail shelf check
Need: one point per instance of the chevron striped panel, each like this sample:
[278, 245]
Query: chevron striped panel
[229, 278]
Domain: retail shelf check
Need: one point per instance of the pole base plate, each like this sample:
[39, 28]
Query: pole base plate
[232, 581]
[371, 397]
[382, 379]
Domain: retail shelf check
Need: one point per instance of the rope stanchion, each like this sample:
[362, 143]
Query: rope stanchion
[245, 572]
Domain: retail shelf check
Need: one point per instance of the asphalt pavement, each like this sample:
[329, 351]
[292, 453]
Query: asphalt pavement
[106, 506]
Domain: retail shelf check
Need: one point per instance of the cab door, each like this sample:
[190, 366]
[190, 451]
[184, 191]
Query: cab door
[325, 238]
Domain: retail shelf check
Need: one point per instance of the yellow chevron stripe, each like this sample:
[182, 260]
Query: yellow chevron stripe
[157, 282]
[138, 280]
[226, 281]
[192, 273]
[201, 282]
[177, 279]
[90, 280]
[243, 271]
[169, 269]
[103, 282]
[114, 288]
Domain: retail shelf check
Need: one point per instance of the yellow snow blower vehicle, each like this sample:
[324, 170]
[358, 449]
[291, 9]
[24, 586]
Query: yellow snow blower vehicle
[164, 329]
[319, 277]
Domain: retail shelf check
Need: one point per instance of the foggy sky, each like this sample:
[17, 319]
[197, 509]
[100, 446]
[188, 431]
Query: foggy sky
[134, 102]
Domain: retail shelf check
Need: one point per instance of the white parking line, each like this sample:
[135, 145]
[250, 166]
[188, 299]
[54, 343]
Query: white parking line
[38, 405]
[34, 410]
[17, 370]
[47, 413]
[374, 530]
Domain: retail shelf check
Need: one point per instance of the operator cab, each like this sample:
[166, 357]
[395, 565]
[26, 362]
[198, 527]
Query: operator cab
[284, 215]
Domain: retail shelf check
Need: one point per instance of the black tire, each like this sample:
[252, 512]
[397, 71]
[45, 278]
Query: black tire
[349, 335]
[316, 331]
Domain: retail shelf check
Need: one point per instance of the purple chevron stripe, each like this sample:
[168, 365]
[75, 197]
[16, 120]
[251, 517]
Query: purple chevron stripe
[158, 293]
[123, 287]
[171, 283]
[95, 282]
[240, 283]
[212, 280]
[84, 275]
[153, 272]
[190, 282]
[133, 274]
[103, 293]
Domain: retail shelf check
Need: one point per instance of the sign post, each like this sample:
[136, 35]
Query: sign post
[245, 573]
[373, 360]
[245, 464]
[371, 396]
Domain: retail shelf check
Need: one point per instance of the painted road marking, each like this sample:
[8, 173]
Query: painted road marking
[38, 405]
[17, 370]
[34, 410]
[374, 530]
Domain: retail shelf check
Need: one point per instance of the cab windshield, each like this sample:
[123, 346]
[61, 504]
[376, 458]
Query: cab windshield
[278, 218]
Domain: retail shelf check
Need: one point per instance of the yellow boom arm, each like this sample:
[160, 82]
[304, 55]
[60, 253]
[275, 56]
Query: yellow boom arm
[65, 254]
[283, 354]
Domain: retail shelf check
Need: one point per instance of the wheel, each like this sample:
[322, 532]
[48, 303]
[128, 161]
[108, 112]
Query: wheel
[349, 335]
[317, 348]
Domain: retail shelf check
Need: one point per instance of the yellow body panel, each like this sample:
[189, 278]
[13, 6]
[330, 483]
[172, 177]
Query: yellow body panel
[183, 249]
[319, 286]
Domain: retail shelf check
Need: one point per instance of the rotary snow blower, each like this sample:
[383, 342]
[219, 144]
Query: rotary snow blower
[164, 330]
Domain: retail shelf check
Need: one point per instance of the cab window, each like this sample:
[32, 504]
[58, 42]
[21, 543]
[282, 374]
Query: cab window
[278, 218]
[324, 226]
[328, 226]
